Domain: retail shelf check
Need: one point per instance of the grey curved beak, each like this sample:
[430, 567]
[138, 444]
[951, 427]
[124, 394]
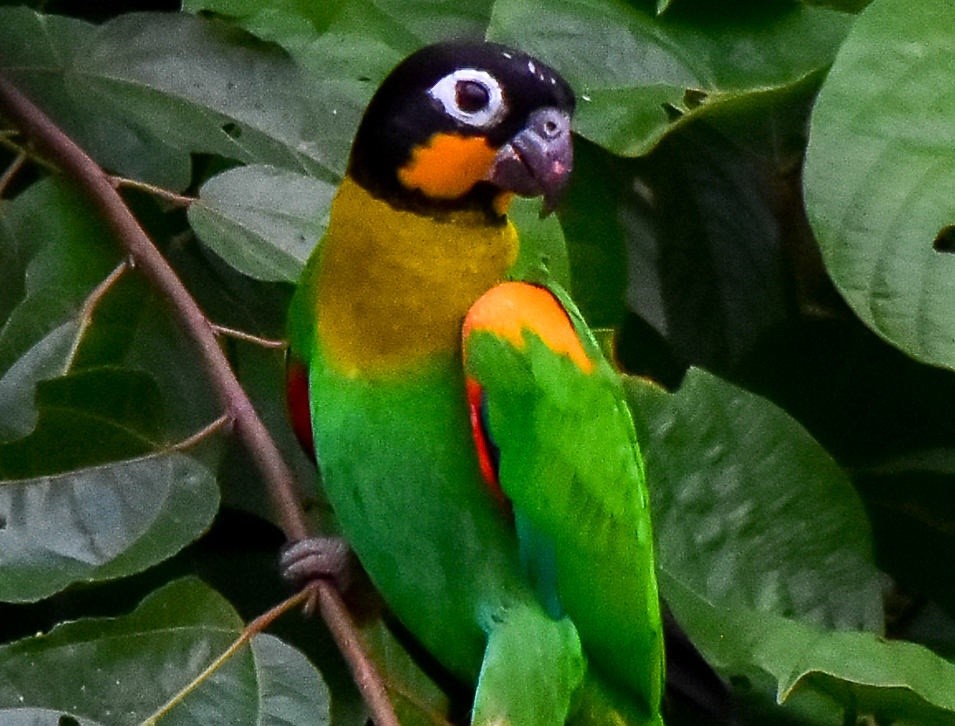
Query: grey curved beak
[538, 160]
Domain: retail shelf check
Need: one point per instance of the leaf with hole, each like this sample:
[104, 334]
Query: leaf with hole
[880, 175]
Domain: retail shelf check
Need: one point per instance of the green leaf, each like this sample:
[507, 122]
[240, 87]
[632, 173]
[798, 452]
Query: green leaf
[415, 696]
[65, 252]
[879, 175]
[142, 92]
[596, 244]
[262, 220]
[764, 556]
[750, 511]
[99, 522]
[705, 247]
[60, 253]
[868, 674]
[635, 74]
[543, 249]
[120, 670]
[290, 690]
[86, 418]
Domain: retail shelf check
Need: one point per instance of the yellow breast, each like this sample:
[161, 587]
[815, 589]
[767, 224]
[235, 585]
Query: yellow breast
[394, 286]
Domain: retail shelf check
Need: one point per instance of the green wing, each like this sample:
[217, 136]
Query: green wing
[559, 441]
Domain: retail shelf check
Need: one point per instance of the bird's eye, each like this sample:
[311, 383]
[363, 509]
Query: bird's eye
[470, 96]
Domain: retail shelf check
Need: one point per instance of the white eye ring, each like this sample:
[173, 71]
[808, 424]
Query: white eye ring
[445, 92]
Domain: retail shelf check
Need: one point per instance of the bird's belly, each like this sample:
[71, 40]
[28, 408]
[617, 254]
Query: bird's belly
[400, 471]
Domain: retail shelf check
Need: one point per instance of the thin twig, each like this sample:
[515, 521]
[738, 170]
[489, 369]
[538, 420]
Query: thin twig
[248, 337]
[11, 171]
[249, 428]
[8, 140]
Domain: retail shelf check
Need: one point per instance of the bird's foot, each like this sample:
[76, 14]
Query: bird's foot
[318, 558]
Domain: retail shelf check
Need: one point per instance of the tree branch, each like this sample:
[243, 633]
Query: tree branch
[101, 191]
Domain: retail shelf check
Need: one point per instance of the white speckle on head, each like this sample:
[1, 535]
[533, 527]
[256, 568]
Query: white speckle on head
[531, 66]
[506, 54]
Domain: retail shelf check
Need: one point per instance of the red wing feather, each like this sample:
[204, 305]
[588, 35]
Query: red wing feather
[299, 407]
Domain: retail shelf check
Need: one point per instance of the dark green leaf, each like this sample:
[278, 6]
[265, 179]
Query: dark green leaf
[543, 249]
[54, 327]
[912, 514]
[100, 522]
[750, 511]
[65, 252]
[867, 674]
[347, 47]
[85, 419]
[120, 670]
[596, 245]
[62, 252]
[707, 266]
[263, 221]
[635, 74]
[142, 91]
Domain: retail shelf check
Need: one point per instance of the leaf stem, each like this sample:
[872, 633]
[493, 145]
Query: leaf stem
[177, 199]
[248, 426]
[11, 170]
[248, 337]
[202, 434]
[89, 307]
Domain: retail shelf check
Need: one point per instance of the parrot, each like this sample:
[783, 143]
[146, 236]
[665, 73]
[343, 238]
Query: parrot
[473, 441]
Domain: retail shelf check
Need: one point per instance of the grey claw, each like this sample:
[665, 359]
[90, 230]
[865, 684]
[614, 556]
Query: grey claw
[316, 558]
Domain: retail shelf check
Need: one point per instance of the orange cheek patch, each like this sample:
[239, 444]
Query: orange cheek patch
[448, 165]
[511, 308]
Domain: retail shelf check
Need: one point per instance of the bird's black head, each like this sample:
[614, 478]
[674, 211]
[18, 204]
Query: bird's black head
[466, 125]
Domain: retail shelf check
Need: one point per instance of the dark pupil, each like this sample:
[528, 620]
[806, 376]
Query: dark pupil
[471, 96]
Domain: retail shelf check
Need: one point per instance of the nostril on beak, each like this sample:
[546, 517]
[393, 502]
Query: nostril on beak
[549, 123]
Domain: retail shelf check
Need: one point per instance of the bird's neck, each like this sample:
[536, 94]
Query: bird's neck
[394, 286]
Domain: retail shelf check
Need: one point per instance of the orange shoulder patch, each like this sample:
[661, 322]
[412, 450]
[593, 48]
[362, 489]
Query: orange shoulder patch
[511, 308]
[448, 165]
